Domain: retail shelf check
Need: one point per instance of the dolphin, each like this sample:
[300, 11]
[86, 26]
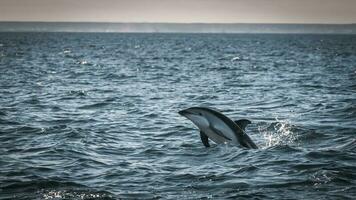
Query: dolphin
[219, 128]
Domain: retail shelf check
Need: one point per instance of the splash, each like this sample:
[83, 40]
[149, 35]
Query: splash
[278, 133]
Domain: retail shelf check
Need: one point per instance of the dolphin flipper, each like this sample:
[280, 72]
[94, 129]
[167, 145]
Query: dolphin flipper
[204, 138]
[242, 123]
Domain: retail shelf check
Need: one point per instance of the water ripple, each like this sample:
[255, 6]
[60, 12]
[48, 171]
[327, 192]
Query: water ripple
[94, 116]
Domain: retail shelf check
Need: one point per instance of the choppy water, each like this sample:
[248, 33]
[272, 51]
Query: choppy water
[86, 116]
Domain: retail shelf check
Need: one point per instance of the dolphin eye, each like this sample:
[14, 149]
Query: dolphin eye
[200, 114]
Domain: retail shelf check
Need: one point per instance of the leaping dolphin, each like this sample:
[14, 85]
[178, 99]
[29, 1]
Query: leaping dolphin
[218, 127]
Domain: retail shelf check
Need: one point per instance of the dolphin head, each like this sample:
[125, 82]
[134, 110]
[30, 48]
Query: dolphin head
[199, 116]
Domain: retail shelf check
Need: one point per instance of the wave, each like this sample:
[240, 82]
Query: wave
[95, 105]
[51, 189]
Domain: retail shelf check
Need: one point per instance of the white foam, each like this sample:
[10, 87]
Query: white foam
[281, 134]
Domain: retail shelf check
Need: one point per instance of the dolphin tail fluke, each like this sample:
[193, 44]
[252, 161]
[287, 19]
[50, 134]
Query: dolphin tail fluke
[248, 142]
[204, 138]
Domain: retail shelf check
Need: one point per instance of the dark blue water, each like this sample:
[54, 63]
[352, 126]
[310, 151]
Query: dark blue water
[94, 116]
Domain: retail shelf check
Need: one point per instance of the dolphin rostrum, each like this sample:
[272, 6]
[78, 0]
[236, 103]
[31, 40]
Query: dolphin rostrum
[219, 128]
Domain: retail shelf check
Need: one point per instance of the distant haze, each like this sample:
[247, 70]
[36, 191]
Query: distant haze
[181, 11]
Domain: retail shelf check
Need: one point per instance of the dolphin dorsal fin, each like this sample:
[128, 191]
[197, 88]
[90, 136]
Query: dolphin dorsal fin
[242, 123]
[204, 138]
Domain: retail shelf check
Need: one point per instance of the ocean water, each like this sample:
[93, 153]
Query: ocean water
[94, 116]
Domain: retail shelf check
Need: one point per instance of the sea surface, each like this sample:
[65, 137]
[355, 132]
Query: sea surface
[94, 116]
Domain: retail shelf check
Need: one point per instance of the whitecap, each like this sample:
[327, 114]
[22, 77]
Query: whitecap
[237, 58]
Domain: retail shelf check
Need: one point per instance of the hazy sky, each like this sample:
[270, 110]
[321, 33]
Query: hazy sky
[206, 11]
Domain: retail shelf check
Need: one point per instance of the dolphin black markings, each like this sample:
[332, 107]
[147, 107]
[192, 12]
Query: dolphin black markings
[218, 127]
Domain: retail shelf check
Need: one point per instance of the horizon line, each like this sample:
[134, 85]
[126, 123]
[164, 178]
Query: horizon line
[182, 23]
